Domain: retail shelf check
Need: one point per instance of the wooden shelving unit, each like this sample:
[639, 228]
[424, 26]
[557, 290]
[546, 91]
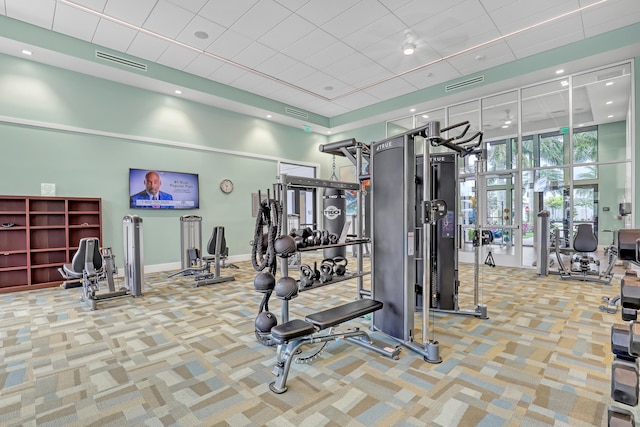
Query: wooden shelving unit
[40, 234]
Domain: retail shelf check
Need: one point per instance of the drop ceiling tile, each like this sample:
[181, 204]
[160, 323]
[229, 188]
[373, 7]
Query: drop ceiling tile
[255, 84]
[254, 55]
[330, 55]
[419, 13]
[293, 5]
[229, 44]
[321, 12]
[97, 5]
[356, 100]
[200, 24]
[451, 41]
[226, 74]
[386, 27]
[278, 63]
[177, 57]
[114, 36]
[323, 84]
[168, 19]
[391, 89]
[147, 47]
[131, 12]
[547, 36]
[309, 44]
[203, 66]
[520, 14]
[281, 36]
[34, 12]
[253, 23]
[610, 15]
[491, 5]
[226, 12]
[432, 75]
[360, 15]
[361, 77]
[492, 55]
[357, 61]
[191, 5]
[75, 22]
[295, 73]
[393, 5]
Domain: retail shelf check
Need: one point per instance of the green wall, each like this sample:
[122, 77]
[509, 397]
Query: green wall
[84, 133]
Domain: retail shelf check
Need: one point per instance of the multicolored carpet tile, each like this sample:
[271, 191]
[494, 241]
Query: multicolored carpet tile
[187, 356]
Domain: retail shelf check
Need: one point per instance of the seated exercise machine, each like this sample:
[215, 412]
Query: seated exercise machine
[196, 265]
[94, 266]
[582, 260]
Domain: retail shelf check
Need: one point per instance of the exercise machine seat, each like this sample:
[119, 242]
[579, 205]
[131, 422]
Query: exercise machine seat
[212, 246]
[343, 313]
[585, 240]
[291, 330]
[88, 245]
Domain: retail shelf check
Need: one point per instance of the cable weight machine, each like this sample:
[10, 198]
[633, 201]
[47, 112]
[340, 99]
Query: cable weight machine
[402, 224]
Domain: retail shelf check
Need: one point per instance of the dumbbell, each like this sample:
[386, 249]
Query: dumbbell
[620, 417]
[630, 290]
[624, 381]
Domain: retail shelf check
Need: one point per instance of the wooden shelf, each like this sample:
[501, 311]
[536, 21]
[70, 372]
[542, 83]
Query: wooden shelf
[45, 236]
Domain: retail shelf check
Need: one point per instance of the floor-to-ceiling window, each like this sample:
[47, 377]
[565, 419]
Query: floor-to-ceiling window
[562, 146]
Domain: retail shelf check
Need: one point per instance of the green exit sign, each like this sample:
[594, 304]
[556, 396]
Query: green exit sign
[564, 130]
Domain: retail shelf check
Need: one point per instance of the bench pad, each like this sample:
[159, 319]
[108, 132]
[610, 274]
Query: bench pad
[291, 330]
[343, 313]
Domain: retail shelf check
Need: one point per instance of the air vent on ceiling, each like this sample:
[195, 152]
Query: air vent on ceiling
[297, 113]
[610, 75]
[464, 83]
[122, 61]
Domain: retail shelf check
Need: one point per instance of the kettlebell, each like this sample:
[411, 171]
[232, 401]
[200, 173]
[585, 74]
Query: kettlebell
[306, 276]
[326, 270]
[340, 265]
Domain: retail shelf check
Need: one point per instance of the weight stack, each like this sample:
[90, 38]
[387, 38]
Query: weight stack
[334, 212]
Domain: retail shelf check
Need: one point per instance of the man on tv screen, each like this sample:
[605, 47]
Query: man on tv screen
[151, 192]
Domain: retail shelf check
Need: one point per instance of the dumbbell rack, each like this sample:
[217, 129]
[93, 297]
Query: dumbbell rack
[625, 345]
[289, 182]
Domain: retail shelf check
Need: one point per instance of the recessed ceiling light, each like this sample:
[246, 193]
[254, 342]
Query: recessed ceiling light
[329, 132]
[479, 57]
[560, 71]
[507, 122]
[425, 116]
[564, 83]
[413, 110]
[609, 102]
[177, 92]
[608, 83]
[26, 52]
[610, 116]
[268, 116]
[201, 35]
[505, 126]
[408, 48]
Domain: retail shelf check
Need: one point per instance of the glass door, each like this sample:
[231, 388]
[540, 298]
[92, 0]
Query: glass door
[501, 218]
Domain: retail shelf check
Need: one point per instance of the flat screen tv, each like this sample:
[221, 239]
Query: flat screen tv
[158, 189]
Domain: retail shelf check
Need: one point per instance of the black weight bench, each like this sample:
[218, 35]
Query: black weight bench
[295, 333]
